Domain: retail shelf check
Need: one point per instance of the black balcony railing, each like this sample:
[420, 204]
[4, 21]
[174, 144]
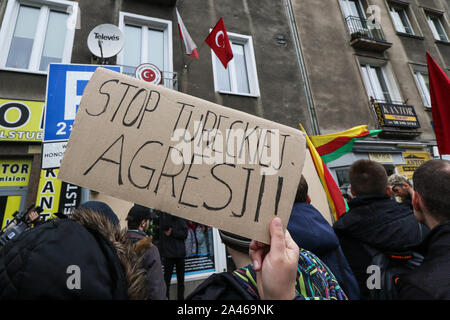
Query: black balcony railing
[362, 28]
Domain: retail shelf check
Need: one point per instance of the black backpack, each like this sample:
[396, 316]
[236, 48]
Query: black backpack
[391, 265]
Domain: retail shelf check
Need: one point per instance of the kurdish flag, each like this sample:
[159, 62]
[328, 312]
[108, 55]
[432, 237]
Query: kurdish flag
[335, 199]
[333, 146]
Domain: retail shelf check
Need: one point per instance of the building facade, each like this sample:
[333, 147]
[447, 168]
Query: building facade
[366, 65]
[263, 79]
[329, 65]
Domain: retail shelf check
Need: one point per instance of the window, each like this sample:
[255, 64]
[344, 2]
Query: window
[240, 76]
[352, 8]
[35, 34]
[424, 87]
[147, 40]
[401, 21]
[437, 27]
[354, 16]
[380, 84]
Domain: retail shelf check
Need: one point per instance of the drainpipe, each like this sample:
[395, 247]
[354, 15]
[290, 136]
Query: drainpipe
[304, 75]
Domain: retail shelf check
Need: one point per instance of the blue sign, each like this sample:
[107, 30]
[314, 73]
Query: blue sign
[65, 86]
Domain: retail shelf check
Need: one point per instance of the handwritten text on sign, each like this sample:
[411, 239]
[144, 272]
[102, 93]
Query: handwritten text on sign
[183, 155]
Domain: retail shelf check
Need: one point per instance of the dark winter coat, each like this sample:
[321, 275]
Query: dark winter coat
[45, 262]
[156, 287]
[172, 246]
[431, 280]
[379, 222]
[309, 229]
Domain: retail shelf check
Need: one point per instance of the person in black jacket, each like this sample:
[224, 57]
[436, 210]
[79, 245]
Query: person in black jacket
[431, 204]
[374, 220]
[85, 256]
[138, 221]
[173, 250]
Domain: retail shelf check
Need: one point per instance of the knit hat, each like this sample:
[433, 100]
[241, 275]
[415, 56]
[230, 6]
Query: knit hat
[396, 179]
[235, 242]
[102, 208]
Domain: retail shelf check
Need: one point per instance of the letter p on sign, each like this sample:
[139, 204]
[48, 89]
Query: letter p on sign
[76, 81]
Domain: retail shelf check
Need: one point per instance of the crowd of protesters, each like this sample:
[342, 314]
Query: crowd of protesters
[379, 249]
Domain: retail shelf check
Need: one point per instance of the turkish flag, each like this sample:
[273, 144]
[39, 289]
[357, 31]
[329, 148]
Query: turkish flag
[440, 104]
[219, 43]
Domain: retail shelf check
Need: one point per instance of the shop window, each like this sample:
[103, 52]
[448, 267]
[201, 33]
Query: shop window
[147, 40]
[35, 34]
[240, 76]
[343, 178]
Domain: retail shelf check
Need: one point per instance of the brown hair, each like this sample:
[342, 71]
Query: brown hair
[368, 177]
[432, 183]
[302, 190]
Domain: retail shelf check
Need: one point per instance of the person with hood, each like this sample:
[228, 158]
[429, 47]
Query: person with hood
[138, 221]
[374, 220]
[85, 256]
[311, 231]
[430, 281]
[173, 250]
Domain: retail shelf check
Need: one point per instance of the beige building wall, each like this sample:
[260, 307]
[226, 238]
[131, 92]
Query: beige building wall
[337, 89]
[333, 65]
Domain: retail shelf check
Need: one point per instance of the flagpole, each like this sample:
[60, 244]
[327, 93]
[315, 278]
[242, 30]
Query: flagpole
[186, 66]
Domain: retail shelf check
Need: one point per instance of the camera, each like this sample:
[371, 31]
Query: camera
[18, 224]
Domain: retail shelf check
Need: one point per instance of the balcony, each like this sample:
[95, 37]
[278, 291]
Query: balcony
[365, 35]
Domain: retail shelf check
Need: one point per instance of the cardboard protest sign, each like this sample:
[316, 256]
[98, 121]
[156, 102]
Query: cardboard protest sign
[172, 152]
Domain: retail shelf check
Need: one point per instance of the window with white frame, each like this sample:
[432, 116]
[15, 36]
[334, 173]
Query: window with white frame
[380, 83]
[423, 85]
[147, 40]
[240, 76]
[401, 21]
[352, 8]
[37, 33]
[437, 27]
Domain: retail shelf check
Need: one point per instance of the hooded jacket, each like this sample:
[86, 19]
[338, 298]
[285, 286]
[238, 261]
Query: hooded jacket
[82, 257]
[381, 223]
[310, 231]
[156, 287]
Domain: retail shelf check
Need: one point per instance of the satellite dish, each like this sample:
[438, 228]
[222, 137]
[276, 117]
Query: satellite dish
[105, 40]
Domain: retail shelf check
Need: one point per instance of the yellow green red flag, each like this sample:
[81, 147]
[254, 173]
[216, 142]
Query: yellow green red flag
[335, 199]
[332, 146]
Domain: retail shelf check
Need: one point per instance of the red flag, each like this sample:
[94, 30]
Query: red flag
[219, 43]
[440, 104]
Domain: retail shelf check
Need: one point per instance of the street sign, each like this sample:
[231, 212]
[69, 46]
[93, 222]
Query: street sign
[52, 153]
[65, 85]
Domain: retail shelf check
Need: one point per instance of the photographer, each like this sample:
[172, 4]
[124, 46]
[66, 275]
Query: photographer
[21, 221]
